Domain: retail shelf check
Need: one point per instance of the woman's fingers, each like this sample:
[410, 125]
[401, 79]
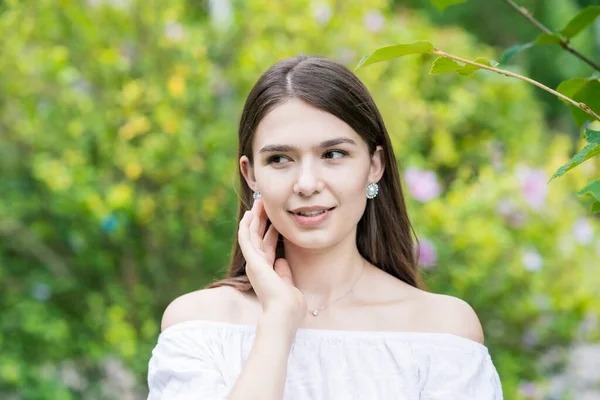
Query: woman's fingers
[245, 238]
[258, 247]
[270, 243]
[255, 238]
[243, 231]
[258, 230]
[262, 214]
[284, 271]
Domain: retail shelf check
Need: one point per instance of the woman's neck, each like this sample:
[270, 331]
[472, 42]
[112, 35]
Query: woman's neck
[325, 275]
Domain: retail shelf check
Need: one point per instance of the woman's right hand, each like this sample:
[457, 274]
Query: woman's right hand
[271, 279]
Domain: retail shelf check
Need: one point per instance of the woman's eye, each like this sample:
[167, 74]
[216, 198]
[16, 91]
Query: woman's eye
[332, 154]
[276, 160]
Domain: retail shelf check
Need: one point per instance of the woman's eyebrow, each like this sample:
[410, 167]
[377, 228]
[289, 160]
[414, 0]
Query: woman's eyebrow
[283, 148]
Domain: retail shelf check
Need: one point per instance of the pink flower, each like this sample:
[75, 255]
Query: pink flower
[583, 231]
[534, 186]
[322, 13]
[532, 260]
[427, 254]
[422, 185]
[529, 390]
[374, 21]
[174, 31]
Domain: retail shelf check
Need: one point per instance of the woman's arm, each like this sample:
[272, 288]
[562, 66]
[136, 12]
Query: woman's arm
[284, 308]
[264, 373]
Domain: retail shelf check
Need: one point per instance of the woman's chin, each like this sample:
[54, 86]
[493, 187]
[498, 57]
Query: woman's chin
[311, 240]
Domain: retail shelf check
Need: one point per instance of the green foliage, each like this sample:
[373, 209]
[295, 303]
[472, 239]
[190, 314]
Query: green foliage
[579, 22]
[399, 50]
[440, 65]
[541, 40]
[589, 151]
[497, 24]
[592, 136]
[117, 158]
[593, 189]
[586, 90]
[514, 50]
[548, 38]
[443, 4]
[444, 65]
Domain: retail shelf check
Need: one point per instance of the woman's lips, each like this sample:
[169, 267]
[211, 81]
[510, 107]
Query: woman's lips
[312, 220]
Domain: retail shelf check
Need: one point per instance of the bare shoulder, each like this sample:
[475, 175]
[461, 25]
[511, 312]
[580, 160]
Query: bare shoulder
[216, 304]
[453, 315]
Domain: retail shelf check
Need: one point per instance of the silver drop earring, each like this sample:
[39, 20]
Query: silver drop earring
[372, 190]
[256, 195]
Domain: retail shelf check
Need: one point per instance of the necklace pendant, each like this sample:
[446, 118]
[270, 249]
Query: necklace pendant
[314, 312]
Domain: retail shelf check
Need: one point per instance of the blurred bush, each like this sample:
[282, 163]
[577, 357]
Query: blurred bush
[118, 180]
[500, 25]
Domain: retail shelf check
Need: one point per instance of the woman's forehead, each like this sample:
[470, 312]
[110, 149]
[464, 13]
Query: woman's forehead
[299, 124]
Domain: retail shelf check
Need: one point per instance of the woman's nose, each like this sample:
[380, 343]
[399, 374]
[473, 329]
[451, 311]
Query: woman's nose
[308, 181]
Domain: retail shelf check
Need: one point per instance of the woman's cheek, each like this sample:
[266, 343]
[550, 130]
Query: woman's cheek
[275, 217]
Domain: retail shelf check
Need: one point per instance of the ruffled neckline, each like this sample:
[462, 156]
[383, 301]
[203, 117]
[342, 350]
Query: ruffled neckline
[426, 338]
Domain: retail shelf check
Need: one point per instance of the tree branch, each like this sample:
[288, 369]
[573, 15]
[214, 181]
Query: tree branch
[581, 106]
[563, 43]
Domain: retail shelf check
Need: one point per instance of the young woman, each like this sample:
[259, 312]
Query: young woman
[323, 298]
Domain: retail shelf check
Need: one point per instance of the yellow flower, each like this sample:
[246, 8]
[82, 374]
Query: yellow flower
[133, 170]
[132, 92]
[96, 205]
[137, 125]
[167, 119]
[120, 196]
[176, 86]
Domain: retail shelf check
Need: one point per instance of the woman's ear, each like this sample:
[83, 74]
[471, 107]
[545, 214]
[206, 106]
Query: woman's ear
[248, 172]
[377, 165]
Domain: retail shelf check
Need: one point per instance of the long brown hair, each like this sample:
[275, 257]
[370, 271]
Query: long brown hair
[384, 233]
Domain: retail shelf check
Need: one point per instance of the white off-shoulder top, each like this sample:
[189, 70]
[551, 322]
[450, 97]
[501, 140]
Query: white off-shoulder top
[202, 360]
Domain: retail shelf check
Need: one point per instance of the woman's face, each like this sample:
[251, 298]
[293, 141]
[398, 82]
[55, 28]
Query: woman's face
[306, 157]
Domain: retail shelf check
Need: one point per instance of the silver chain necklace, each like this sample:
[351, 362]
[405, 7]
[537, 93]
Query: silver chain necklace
[315, 312]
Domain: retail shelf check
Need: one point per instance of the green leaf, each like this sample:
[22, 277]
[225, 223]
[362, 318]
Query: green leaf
[545, 38]
[592, 136]
[585, 90]
[585, 154]
[570, 87]
[443, 65]
[395, 51]
[593, 189]
[469, 69]
[513, 51]
[443, 4]
[580, 21]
